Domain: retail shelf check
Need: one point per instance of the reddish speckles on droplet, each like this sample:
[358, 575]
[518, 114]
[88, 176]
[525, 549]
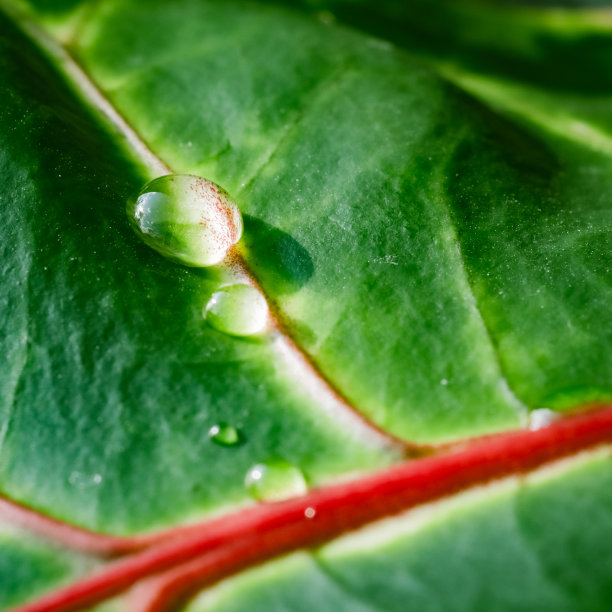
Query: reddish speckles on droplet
[187, 218]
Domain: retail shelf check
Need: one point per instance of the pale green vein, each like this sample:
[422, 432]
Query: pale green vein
[322, 88]
[521, 408]
[521, 102]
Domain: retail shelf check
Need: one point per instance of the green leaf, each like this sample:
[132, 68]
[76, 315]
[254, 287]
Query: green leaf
[429, 220]
[510, 547]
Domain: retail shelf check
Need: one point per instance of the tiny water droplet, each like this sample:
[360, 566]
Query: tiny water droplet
[542, 417]
[275, 480]
[444, 382]
[186, 218]
[81, 480]
[310, 512]
[224, 434]
[238, 310]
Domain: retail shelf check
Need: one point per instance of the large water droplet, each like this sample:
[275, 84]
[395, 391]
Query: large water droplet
[239, 310]
[186, 218]
[224, 434]
[275, 480]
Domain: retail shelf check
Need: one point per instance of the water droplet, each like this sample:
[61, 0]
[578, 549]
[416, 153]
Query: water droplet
[275, 480]
[186, 218]
[310, 512]
[238, 310]
[81, 480]
[444, 382]
[224, 434]
[542, 417]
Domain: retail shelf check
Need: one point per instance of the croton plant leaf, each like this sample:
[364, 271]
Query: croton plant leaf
[426, 192]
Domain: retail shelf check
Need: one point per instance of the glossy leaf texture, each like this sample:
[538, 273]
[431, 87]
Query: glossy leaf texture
[427, 210]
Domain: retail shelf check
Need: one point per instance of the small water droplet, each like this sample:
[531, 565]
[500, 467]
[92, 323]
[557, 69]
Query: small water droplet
[81, 480]
[186, 218]
[310, 512]
[275, 480]
[224, 435]
[542, 417]
[238, 310]
[444, 382]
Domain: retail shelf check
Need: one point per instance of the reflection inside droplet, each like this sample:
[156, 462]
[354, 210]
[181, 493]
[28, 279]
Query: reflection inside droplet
[224, 434]
[275, 480]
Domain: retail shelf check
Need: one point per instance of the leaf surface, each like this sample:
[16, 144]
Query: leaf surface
[433, 239]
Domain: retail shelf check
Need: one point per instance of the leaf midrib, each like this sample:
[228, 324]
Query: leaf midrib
[139, 151]
[304, 369]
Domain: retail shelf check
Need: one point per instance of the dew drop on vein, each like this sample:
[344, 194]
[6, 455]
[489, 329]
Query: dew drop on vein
[275, 480]
[542, 417]
[310, 512]
[238, 310]
[186, 218]
[224, 434]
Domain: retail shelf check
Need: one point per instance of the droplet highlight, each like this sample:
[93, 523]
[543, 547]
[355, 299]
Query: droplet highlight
[224, 435]
[275, 480]
[238, 310]
[186, 218]
[310, 512]
[542, 417]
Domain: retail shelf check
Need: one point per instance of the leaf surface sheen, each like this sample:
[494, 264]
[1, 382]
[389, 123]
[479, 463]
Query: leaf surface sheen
[430, 239]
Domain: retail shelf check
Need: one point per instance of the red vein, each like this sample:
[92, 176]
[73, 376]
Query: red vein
[68, 535]
[85, 540]
[223, 546]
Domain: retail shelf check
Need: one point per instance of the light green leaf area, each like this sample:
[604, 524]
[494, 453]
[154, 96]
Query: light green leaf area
[113, 379]
[344, 146]
[542, 544]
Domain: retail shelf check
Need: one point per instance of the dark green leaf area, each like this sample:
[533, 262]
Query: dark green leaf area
[515, 548]
[550, 66]
[547, 48]
[53, 8]
[112, 377]
[29, 568]
[342, 144]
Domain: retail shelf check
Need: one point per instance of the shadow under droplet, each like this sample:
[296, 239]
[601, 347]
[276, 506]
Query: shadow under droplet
[277, 258]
